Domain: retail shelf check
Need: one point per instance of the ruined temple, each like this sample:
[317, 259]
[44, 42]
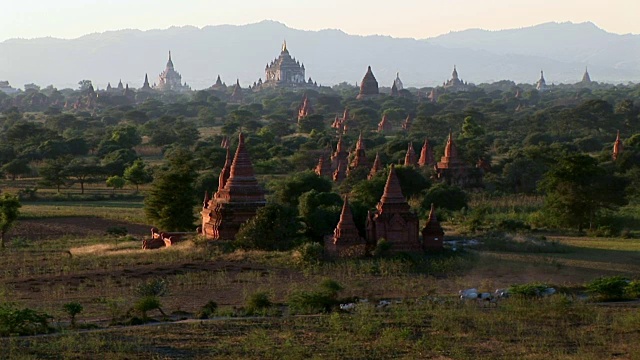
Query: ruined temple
[346, 240]
[410, 158]
[359, 157]
[432, 233]
[426, 155]
[324, 167]
[340, 155]
[238, 198]
[340, 173]
[376, 167]
[368, 86]
[384, 125]
[393, 220]
[236, 96]
[394, 90]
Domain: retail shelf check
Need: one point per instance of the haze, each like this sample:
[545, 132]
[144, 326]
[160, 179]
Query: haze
[406, 18]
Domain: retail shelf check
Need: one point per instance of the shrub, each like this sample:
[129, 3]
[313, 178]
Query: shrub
[513, 225]
[257, 302]
[527, 290]
[117, 231]
[382, 248]
[608, 288]
[22, 321]
[633, 289]
[207, 310]
[311, 302]
[153, 287]
[308, 253]
[147, 304]
[72, 309]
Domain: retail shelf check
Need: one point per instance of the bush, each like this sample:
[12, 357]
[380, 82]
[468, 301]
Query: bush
[147, 304]
[633, 289]
[312, 302]
[22, 321]
[117, 231]
[513, 225]
[73, 309]
[207, 310]
[308, 253]
[382, 248]
[257, 302]
[153, 287]
[527, 290]
[608, 288]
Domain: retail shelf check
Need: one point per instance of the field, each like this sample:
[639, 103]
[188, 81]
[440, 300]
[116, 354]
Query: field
[59, 253]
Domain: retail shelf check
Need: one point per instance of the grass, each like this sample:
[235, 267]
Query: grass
[131, 211]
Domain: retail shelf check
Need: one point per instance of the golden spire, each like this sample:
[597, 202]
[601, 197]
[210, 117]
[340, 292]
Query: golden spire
[284, 46]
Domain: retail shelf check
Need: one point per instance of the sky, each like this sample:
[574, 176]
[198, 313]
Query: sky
[400, 18]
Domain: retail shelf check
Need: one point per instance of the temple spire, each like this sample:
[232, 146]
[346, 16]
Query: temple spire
[617, 147]
[426, 155]
[392, 191]
[377, 166]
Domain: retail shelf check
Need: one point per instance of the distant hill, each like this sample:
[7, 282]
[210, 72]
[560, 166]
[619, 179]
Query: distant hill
[330, 56]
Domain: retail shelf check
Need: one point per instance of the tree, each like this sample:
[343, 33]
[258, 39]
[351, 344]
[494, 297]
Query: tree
[577, 188]
[444, 196]
[9, 211]
[275, 227]
[137, 174]
[16, 167]
[53, 173]
[172, 198]
[126, 136]
[115, 182]
[72, 309]
[83, 172]
[289, 190]
[311, 122]
[320, 212]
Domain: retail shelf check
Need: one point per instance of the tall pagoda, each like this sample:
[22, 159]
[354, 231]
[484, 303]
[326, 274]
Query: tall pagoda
[368, 86]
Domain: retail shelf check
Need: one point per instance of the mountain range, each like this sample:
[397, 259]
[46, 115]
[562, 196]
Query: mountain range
[562, 50]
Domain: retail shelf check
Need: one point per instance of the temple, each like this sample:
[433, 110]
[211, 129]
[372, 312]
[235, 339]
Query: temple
[368, 86]
[406, 124]
[384, 125]
[305, 108]
[238, 198]
[426, 155]
[410, 159]
[541, 85]
[170, 79]
[345, 241]
[452, 169]
[324, 167]
[359, 157]
[432, 233]
[219, 85]
[145, 85]
[617, 147]
[398, 83]
[455, 84]
[393, 220]
[285, 71]
[236, 96]
[375, 168]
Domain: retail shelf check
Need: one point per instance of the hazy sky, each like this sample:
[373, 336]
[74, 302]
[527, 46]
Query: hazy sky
[399, 18]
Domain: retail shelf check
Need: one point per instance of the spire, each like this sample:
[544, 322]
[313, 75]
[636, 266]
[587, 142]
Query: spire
[377, 166]
[170, 62]
[617, 147]
[284, 46]
[341, 172]
[432, 231]
[586, 78]
[241, 186]
[346, 230]
[392, 190]
[394, 89]
[324, 167]
[218, 81]
[426, 155]
[406, 124]
[450, 150]
[384, 124]
[454, 74]
[368, 86]
[339, 146]
[410, 158]
[225, 172]
[360, 143]
[146, 82]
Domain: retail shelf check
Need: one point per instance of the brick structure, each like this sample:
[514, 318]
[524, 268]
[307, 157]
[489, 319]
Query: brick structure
[305, 108]
[406, 124]
[426, 155]
[617, 147]
[393, 220]
[324, 167]
[346, 240]
[410, 159]
[368, 86]
[236, 97]
[432, 233]
[451, 168]
[359, 156]
[340, 173]
[384, 125]
[377, 166]
[340, 155]
[236, 201]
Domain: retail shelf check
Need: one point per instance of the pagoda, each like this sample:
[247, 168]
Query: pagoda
[368, 86]
[145, 85]
[384, 125]
[432, 233]
[345, 241]
[450, 167]
[236, 96]
[617, 147]
[305, 108]
[170, 79]
[426, 155]
[455, 84]
[285, 71]
[324, 167]
[541, 85]
[340, 173]
[397, 82]
[406, 124]
[219, 85]
[237, 200]
[393, 220]
[377, 166]
[410, 159]
[359, 158]
[394, 90]
[340, 155]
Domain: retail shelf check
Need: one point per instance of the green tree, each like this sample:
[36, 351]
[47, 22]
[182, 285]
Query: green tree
[115, 182]
[53, 173]
[577, 188]
[9, 211]
[275, 227]
[320, 212]
[83, 171]
[171, 200]
[137, 174]
[72, 309]
[16, 167]
[289, 190]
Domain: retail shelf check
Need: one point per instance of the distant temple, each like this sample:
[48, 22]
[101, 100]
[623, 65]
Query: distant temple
[398, 83]
[617, 147]
[305, 108]
[236, 96]
[410, 158]
[541, 85]
[145, 85]
[453, 170]
[384, 125]
[346, 240]
[455, 84]
[426, 155]
[219, 85]
[285, 71]
[170, 79]
[368, 86]
[586, 78]
[237, 200]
